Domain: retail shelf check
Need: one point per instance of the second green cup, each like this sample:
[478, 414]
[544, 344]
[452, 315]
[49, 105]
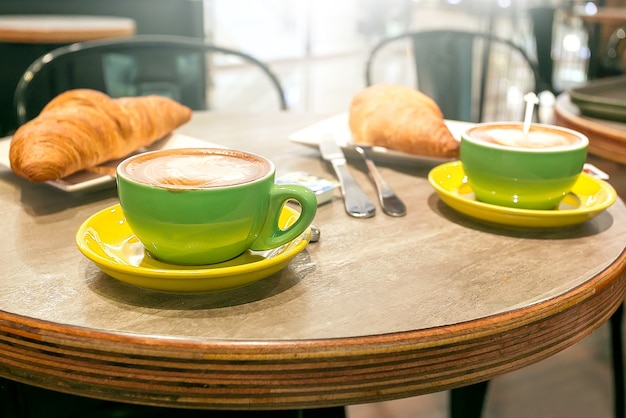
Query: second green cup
[507, 167]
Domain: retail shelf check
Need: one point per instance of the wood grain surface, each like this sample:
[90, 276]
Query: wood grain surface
[378, 309]
[62, 29]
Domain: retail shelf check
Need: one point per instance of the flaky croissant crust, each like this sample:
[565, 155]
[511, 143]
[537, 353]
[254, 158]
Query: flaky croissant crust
[83, 128]
[402, 119]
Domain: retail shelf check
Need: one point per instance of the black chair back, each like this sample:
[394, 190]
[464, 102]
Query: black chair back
[456, 68]
[178, 67]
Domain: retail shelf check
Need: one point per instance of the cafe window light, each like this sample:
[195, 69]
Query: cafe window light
[571, 42]
[505, 4]
[591, 8]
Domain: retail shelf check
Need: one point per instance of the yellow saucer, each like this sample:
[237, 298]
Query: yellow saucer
[106, 239]
[588, 198]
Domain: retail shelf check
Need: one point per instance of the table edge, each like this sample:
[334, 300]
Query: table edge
[290, 374]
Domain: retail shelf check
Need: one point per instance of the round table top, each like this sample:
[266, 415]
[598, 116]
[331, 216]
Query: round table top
[379, 308]
[62, 28]
[607, 138]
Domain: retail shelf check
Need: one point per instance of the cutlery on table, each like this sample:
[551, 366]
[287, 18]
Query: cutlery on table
[355, 200]
[315, 233]
[389, 201]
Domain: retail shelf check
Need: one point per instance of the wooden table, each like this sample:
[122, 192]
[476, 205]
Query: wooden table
[607, 139]
[378, 309]
[606, 15]
[600, 26]
[58, 29]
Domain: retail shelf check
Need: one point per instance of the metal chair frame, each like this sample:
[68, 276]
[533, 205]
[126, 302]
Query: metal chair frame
[92, 52]
[429, 45]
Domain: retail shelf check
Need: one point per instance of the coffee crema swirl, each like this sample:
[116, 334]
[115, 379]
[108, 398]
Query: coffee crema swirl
[197, 169]
[514, 136]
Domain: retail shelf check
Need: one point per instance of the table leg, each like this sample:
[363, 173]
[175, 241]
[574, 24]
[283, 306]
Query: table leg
[618, 362]
[467, 401]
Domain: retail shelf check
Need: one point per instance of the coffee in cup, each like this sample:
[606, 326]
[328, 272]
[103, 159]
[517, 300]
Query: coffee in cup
[528, 170]
[207, 205]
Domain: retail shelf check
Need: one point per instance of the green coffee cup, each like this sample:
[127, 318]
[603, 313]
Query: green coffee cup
[506, 167]
[207, 205]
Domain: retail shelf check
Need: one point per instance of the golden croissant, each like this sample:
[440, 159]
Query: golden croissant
[83, 128]
[402, 119]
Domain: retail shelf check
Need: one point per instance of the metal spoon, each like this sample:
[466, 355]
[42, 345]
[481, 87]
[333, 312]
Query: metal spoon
[315, 233]
[389, 201]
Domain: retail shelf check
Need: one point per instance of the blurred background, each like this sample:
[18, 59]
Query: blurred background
[318, 48]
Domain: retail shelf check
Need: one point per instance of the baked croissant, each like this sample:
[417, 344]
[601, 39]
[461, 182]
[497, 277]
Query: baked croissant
[83, 128]
[402, 119]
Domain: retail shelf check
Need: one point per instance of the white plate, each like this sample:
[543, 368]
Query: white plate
[85, 180]
[338, 127]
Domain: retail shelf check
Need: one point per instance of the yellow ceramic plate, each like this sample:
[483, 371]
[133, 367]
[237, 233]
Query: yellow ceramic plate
[106, 239]
[588, 198]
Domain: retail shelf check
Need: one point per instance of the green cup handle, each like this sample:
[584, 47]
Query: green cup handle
[271, 235]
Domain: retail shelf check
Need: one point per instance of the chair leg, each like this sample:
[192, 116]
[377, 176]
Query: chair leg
[467, 401]
[618, 362]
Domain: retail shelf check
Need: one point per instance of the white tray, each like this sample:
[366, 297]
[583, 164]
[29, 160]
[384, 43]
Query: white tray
[337, 127]
[87, 181]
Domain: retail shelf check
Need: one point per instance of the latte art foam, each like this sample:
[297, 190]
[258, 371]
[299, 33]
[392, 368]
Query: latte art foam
[191, 169]
[513, 136]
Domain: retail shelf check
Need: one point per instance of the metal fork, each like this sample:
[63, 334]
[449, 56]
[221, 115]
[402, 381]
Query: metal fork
[389, 201]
